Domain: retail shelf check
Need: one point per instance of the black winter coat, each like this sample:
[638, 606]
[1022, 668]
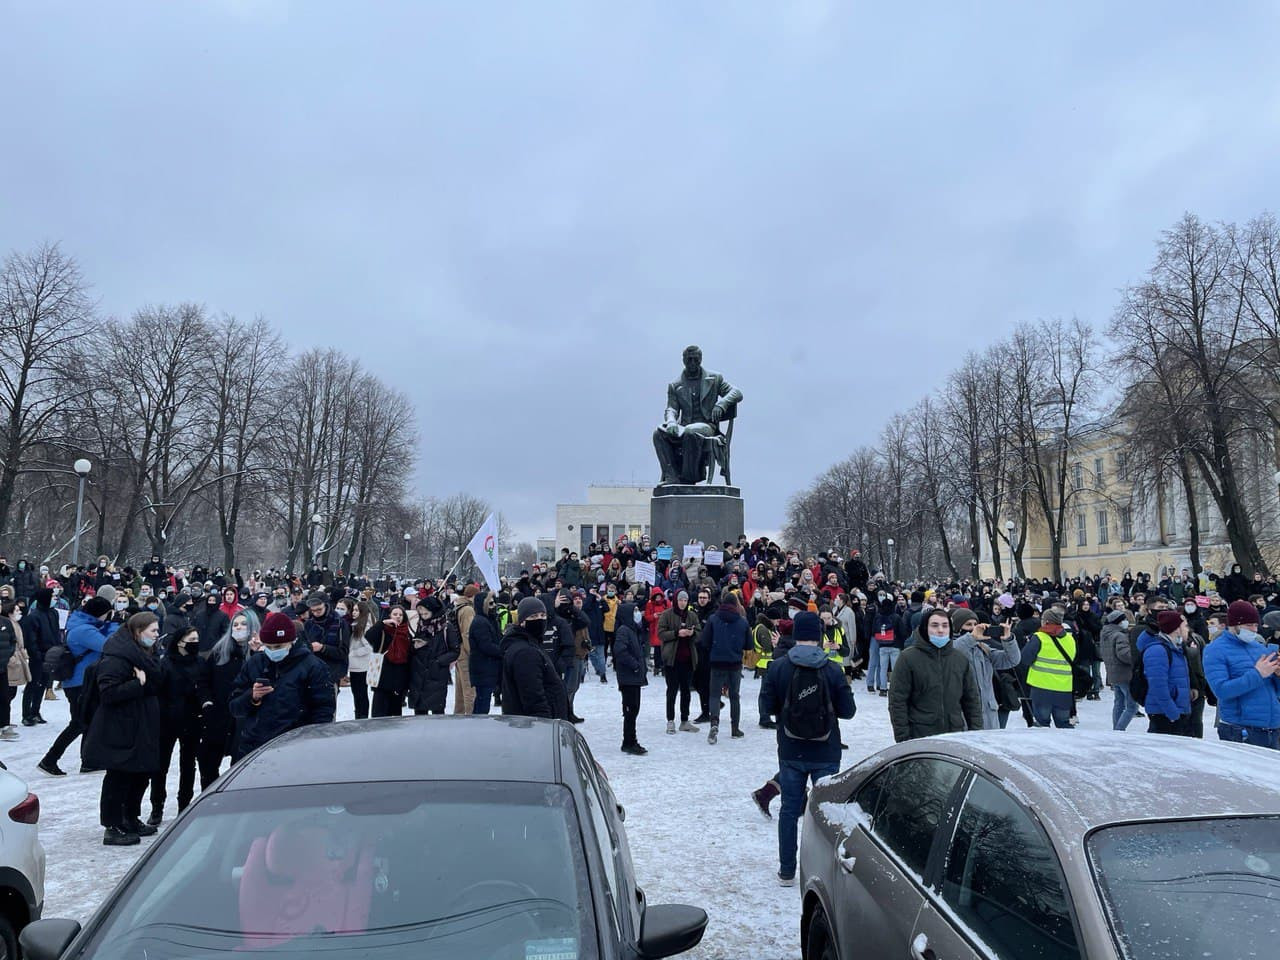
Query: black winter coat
[25, 582]
[40, 631]
[181, 692]
[124, 733]
[334, 635]
[430, 657]
[177, 621]
[209, 620]
[486, 649]
[303, 695]
[531, 687]
[8, 642]
[218, 684]
[629, 662]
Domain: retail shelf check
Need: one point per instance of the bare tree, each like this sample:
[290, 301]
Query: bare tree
[1201, 296]
[44, 311]
[245, 365]
[1055, 381]
[161, 387]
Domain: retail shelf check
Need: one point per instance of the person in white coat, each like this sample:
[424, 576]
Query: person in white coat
[360, 654]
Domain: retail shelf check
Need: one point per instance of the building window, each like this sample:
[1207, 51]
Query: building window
[1122, 466]
[1077, 476]
[1082, 531]
[1103, 536]
[1097, 471]
[1126, 524]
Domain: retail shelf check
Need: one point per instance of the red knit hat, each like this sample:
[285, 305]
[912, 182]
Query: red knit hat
[277, 628]
[1168, 621]
[1241, 612]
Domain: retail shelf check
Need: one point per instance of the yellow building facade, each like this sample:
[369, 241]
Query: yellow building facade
[1119, 518]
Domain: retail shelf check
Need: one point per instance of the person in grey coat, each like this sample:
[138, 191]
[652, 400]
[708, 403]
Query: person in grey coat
[1117, 654]
[986, 654]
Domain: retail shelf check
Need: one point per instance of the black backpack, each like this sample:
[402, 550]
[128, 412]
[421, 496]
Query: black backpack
[60, 662]
[807, 711]
[1139, 686]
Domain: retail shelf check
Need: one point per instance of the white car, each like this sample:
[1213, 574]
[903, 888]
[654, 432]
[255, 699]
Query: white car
[21, 861]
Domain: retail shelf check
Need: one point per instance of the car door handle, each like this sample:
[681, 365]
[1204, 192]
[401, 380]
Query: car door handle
[920, 948]
[846, 863]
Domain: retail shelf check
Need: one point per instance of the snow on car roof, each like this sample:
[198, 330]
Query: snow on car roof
[1105, 777]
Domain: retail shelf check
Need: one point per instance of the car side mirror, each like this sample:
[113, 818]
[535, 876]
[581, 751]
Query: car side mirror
[47, 939]
[665, 930]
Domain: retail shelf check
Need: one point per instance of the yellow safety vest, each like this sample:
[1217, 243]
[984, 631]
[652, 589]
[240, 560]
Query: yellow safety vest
[834, 655]
[766, 656]
[1050, 671]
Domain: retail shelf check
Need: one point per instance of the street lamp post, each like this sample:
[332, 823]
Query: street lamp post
[890, 542]
[1008, 529]
[82, 468]
[407, 538]
[317, 520]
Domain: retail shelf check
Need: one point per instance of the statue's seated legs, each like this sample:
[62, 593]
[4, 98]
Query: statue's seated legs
[684, 456]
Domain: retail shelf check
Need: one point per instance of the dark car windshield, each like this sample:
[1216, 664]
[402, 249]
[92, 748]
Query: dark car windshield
[1195, 889]
[381, 870]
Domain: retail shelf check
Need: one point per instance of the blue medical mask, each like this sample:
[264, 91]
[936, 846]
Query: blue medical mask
[147, 642]
[275, 656]
[1248, 636]
[939, 642]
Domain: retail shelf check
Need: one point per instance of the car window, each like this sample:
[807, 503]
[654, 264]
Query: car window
[400, 870]
[1003, 882]
[906, 803]
[614, 884]
[1191, 889]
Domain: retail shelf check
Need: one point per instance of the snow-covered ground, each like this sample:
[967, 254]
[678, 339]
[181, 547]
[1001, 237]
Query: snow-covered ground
[695, 836]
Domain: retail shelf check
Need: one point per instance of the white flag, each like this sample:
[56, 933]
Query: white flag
[484, 548]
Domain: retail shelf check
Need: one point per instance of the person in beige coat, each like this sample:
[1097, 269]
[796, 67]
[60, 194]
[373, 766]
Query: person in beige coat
[464, 694]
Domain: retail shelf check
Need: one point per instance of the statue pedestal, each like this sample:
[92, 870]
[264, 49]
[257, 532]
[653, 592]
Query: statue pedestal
[680, 513]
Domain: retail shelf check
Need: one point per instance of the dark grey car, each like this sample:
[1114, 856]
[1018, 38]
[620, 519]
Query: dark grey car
[403, 839]
[1019, 844]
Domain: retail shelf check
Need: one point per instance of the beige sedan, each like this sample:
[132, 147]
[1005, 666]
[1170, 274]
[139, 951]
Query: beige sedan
[1045, 845]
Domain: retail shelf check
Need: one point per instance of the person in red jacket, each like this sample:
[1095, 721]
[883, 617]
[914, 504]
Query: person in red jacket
[653, 610]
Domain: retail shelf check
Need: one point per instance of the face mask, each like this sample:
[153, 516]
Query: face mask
[939, 641]
[240, 633]
[639, 616]
[613, 593]
[147, 642]
[1189, 607]
[535, 628]
[121, 604]
[274, 655]
[1248, 636]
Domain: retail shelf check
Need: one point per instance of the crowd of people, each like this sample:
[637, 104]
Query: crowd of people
[210, 664]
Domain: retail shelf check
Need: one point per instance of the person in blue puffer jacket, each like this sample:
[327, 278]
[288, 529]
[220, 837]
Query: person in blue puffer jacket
[1168, 701]
[1242, 673]
[87, 631]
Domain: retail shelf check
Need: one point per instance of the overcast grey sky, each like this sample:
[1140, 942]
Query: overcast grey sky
[520, 213]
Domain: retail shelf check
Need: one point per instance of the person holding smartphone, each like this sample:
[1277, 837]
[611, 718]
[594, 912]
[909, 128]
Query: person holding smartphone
[989, 647]
[281, 687]
[1243, 674]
